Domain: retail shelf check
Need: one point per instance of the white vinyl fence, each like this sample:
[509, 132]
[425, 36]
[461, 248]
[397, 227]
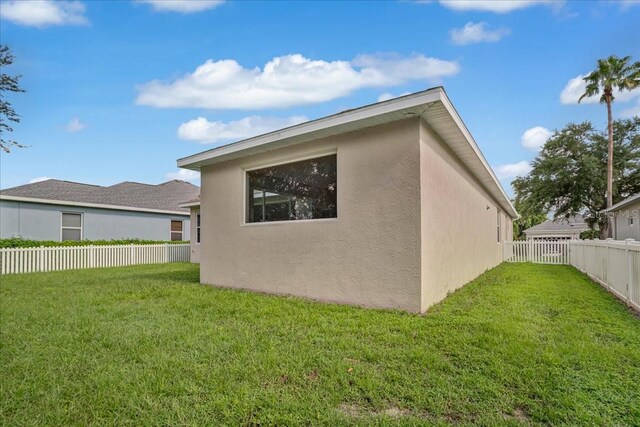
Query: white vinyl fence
[28, 260]
[615, 264]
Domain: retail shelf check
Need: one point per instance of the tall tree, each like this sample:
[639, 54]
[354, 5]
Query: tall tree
[7, 113]
[568, 175]
[611, 74]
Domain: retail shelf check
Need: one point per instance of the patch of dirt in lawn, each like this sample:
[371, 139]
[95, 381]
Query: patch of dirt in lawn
[355, 411]
[517, 414]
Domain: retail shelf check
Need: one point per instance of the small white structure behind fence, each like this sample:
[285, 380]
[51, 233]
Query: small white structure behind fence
[614, 264]
[29, 260]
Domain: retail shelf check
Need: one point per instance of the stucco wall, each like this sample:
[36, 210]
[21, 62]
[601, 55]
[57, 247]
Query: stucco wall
[42, 222]
[622, 229]
[195, 246]
[459, 222]
[369, 255]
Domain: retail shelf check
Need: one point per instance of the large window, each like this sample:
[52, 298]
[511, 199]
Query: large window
[71, 228]
[301, 190]
[176, 231]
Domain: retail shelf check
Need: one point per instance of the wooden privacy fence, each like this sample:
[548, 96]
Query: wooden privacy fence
[29, 260]
[615, 264]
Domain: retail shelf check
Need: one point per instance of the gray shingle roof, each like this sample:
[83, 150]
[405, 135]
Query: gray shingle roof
[563, 224]
[166, 196]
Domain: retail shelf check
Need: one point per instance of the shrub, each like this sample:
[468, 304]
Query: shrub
[18, 242]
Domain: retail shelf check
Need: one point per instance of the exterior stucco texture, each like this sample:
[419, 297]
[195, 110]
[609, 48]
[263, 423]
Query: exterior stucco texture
[412, 224]
[38, 221]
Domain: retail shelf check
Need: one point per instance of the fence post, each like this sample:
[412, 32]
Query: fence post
[606, 270]
[40, 258]
[92, 256]
[166, 252]
[530, 250]
[131, 254]
[627, 242]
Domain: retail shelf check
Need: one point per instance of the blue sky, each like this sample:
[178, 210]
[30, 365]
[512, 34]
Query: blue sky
[118, 90]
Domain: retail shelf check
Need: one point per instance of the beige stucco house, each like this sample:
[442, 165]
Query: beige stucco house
[388, 205]
[625, 218]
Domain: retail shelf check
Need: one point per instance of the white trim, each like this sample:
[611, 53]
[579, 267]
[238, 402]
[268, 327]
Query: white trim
[88, 205]
[413, 105]
[350, 116]
[81, 228]
[189, 204]
[629, 200]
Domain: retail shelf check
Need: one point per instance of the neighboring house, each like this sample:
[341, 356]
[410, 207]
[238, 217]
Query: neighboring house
[63, 210]
[558, 229]
[625, 217]
[387, 205]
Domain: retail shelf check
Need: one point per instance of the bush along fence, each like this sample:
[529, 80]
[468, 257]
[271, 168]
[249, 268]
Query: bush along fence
[614, 264]
[29, 260]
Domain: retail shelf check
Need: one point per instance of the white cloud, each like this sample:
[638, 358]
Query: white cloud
[477, 33]
[207, 132]
[183, 175]
[387, 96]
[75, 125]
[182, 6]
[535, 138]
[289, 80]
[42, 13]
[40, 179]
[496, 6]
[576, 86]
[630, 112]
[512, 170]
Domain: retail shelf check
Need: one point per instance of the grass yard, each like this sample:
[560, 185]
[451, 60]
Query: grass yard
[147, 345]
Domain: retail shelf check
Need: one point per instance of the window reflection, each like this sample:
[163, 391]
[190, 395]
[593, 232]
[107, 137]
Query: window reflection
[300, 190]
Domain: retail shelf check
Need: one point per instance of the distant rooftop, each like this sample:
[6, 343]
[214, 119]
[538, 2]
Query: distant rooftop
[166, 196]
[572, 223]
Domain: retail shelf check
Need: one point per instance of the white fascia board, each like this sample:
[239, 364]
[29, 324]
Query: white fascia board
[474, 146]
[88, 205]
[305, 132]
[195, 161]
[629, 200]
[189, 205]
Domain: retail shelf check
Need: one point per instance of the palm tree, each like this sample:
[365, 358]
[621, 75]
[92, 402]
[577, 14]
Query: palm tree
[611, 73]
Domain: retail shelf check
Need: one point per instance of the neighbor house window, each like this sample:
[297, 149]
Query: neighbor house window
[198, 227]
[306, 189]
[176, 231]
[71, 227]
[498, 225]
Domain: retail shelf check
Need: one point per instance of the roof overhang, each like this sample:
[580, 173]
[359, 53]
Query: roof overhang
[432, 105]
[624, 203]
[89, 205]
[193, 204]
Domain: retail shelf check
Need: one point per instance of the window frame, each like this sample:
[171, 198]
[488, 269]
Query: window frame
[198, 227]
[283, 161]
[81, 228]
[181, 221]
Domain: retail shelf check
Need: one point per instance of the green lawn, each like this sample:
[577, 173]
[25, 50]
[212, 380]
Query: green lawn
[522, 345]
